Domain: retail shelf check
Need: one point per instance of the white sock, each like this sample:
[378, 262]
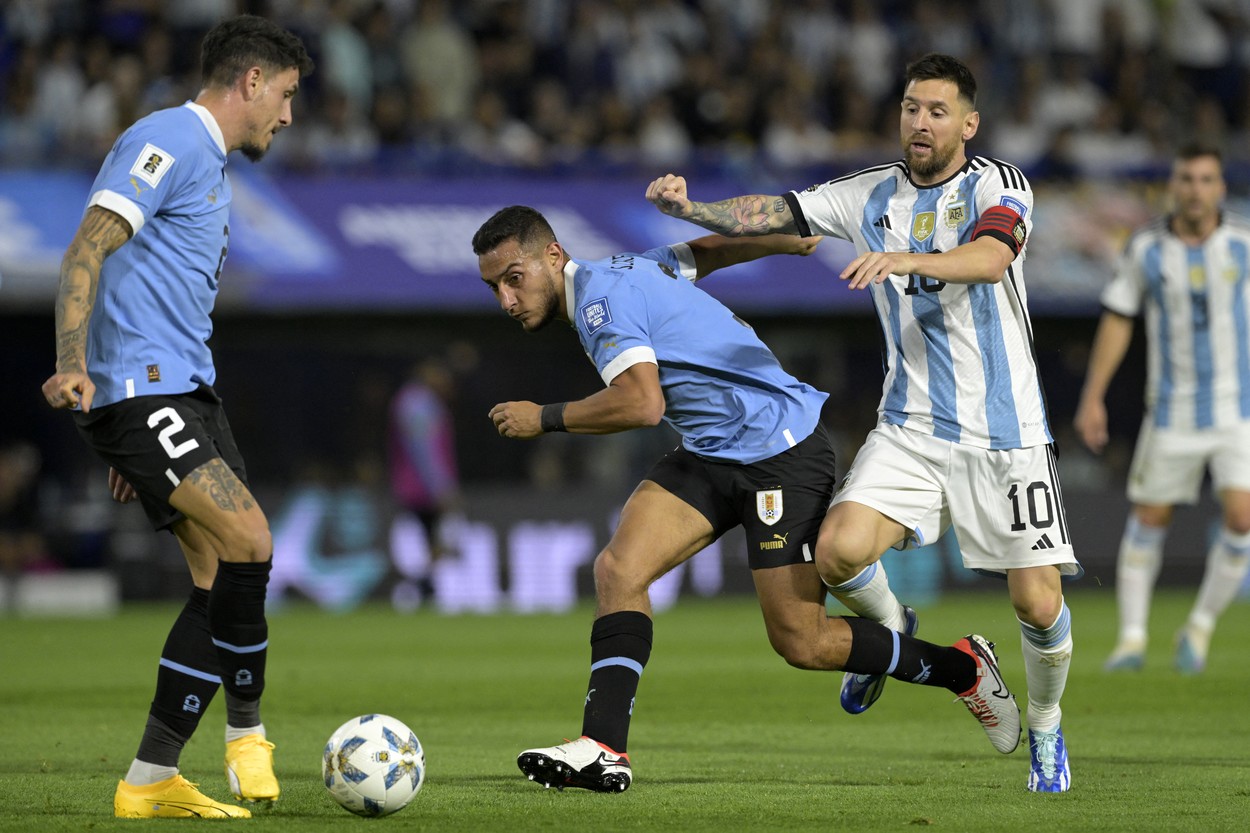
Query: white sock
[234, 733]
[1137, 568]
[143, 774]
[1047, 656]
[1227, 563]
[869, 595]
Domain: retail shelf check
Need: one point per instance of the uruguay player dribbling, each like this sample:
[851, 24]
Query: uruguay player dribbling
[753, 454]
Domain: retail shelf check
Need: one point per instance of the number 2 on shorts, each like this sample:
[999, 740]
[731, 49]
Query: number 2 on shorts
[175, 425]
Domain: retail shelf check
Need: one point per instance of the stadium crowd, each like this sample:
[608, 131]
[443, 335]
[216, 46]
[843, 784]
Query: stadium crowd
[1079, 87]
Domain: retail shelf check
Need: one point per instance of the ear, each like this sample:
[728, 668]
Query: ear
[251, 83]
[554, 253]
[971, 122]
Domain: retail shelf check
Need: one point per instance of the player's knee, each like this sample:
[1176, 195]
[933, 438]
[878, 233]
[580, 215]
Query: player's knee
[1039, 610]
[841, 552]
[796, 647]
[615, 575]
[249, 542]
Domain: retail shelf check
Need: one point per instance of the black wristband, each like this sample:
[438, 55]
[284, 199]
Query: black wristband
[552, 418]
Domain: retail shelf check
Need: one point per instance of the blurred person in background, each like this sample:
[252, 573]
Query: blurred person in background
[138, 284]
[421, 445]
[1187, 274]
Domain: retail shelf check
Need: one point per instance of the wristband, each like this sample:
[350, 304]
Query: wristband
[552, 418]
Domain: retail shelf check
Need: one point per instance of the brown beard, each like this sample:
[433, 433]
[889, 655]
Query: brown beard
[938, 159]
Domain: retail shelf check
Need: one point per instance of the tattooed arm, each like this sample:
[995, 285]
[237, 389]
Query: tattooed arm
[734, 217]
[101, 233]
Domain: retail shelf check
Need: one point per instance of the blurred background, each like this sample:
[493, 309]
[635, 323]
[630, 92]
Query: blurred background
[358, 352]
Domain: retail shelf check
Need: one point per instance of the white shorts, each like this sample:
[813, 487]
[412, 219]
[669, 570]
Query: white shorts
[1005, 506]
[1168, 463]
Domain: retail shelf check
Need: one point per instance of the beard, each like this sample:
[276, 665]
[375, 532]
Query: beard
[253, 151]
[544, 313]
[934, 164]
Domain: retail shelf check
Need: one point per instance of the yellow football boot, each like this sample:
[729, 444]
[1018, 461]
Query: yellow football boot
[249, 768]
[173, 798]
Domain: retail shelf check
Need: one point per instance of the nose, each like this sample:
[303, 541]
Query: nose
[286, 118]
[507, 298]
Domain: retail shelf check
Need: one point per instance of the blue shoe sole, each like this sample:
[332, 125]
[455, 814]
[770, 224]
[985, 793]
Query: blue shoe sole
[860, 691]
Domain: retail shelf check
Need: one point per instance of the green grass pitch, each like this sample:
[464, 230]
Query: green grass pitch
[726, 737]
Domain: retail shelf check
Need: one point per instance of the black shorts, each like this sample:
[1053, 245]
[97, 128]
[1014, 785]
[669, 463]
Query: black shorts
[780, 502]
[156, 441]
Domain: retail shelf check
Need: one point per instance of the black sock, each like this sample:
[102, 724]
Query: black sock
[620, 645]
[236, 617]
[875, 649]
[186, 680]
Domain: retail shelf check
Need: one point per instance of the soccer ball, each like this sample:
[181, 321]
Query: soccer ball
[373, 765]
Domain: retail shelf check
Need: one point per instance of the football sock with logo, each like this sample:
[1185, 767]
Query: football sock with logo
[236, 617]
[1047, 657]
[875, 649]
[868, 594]
[620, 645]
[1227, 564]
[1137, 568]
[187, 677]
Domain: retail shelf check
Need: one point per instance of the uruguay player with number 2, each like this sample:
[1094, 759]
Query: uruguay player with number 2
[962, 437]
[138, 283]
[753, 453]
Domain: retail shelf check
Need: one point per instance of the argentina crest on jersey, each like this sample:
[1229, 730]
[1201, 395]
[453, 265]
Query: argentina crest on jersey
[768, 506]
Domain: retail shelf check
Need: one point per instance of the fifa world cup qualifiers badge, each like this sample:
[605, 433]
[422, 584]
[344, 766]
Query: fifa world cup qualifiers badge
[154, 373]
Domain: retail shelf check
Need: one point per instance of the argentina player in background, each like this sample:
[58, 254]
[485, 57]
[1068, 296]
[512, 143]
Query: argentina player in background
[1187, 275]
[138, 283]
[753, 454]
[962, 437]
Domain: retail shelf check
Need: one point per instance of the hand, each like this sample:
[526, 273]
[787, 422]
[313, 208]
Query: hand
[122, 491]
[668, 193]
[65, 390]
[1091, 424]
[875, 267]
[803, 246]
[518, 420]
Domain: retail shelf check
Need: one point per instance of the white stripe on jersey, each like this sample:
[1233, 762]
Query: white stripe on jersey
[1195, 300]
[959, 357]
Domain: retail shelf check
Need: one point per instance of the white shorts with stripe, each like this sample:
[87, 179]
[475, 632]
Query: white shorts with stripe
[1168, 463]
[1006, 506]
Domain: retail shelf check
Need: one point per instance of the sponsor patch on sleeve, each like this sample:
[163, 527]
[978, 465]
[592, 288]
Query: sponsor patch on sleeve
[596, 314]
[152, 164]
[1015, 205]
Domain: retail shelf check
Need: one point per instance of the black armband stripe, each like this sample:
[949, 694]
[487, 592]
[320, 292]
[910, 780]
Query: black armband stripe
[800, 221]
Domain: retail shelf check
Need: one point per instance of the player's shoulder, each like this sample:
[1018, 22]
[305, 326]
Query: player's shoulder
[1237, 224]
[864, 177]
[1149, 233]
[998, 173]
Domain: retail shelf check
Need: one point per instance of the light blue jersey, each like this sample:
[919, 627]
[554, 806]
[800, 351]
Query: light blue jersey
[1196, 302]
[150, 326]
[724, 390]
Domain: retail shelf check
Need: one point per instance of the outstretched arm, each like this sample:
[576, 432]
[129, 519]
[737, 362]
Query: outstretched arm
[716, 251]
[634, 399]
[101, 233]
[745, 216]
[1111, 342]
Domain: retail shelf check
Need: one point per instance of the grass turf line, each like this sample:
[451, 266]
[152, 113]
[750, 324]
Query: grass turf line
[726, 737]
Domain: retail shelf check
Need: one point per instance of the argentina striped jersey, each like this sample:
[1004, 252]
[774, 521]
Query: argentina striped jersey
[959, 360]
[1194, 300]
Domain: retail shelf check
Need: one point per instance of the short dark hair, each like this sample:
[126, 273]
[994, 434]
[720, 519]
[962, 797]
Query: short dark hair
[516, 221]
[235, 45]
[938, 67]
[1198, 148]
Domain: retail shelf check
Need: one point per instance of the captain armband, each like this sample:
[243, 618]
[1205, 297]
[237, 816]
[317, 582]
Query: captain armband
[1001, 223]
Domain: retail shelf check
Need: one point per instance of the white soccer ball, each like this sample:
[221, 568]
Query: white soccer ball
[373, 765]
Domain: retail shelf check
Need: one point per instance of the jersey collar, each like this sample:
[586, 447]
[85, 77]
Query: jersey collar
[210, 124]
[570, 272]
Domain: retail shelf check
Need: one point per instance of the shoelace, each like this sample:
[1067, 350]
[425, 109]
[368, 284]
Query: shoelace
[1046, 748]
